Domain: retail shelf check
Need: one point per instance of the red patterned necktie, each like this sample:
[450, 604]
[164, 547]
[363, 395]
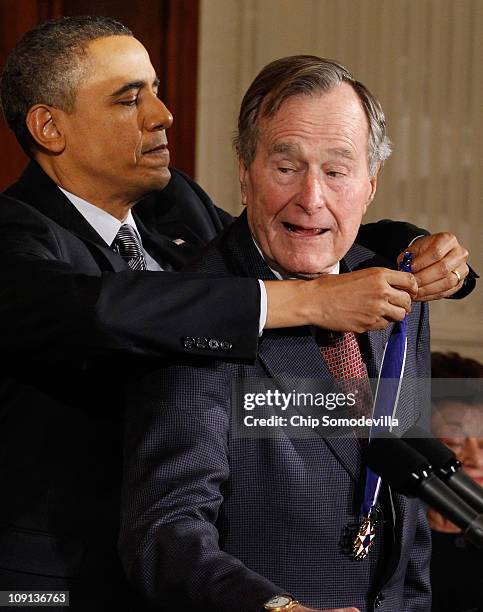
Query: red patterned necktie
[343, 357]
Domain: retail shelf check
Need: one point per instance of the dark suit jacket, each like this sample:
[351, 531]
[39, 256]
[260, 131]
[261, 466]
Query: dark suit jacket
[212, 521]
[74, 321]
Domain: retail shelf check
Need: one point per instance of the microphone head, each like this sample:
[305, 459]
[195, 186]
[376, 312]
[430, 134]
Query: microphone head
[438, 454]
[396, 463]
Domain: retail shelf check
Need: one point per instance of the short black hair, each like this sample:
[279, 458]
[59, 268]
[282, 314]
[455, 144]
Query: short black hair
[46, 67]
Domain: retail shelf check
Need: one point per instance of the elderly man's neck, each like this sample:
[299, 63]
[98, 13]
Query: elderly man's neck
[94, 190]
[282, 274]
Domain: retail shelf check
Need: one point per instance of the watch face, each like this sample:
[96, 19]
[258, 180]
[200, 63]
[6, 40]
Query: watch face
[278, 602]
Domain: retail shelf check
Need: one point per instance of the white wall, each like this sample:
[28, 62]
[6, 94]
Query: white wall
[422, 58]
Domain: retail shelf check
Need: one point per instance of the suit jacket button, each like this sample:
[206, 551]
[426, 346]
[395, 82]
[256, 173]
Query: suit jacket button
[214, 344]
[378, 600]
[189, 342]
[201, 343]
[225, 345]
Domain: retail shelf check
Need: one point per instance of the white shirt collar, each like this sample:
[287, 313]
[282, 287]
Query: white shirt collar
[335, 269]
[104, 223]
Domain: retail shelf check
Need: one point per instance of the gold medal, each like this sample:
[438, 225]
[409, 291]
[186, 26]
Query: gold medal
[364, 539]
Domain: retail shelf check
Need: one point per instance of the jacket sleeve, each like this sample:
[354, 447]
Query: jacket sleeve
[388, 238]
[51, 308]
[176, 469]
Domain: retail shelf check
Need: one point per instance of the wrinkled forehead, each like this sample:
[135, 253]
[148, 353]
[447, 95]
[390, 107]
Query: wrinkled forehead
[333, 112]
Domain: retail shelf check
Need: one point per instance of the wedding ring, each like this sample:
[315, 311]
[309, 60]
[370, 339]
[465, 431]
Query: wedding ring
[458, 276]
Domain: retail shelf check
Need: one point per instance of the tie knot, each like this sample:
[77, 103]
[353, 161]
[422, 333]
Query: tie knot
[127, 241]
[128, 245]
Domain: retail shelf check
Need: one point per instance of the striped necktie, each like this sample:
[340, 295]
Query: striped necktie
[128, 245]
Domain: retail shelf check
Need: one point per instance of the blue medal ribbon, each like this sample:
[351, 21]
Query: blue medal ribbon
[385, 404]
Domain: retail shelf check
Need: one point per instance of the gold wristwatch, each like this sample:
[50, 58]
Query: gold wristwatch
[280, 603]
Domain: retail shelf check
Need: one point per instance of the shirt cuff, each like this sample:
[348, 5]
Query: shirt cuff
[263, 307]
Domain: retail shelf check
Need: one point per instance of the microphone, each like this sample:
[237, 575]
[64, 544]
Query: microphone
[445, 465]
[410, 473]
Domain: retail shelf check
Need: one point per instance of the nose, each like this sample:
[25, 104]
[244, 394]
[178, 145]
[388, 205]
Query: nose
[471, 456]
[311, 196]
[158, 117]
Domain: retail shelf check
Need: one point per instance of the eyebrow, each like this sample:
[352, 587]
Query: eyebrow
[292, 149]
[341, 152]
[284, 147]
[133, 85]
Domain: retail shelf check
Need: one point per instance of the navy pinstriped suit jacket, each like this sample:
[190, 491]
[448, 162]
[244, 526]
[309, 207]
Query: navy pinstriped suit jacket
[221, 523]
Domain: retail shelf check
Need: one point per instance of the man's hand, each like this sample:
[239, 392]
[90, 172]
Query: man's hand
[304, 609]
[435, 258]
[357, 301]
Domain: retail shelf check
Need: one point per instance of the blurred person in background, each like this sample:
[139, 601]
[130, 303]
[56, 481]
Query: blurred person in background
[457, 566]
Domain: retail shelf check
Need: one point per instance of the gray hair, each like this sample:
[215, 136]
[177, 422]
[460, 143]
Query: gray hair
[47, 65]
[305, 75]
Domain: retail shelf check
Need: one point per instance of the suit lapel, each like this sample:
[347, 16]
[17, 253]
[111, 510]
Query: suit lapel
[372, 346]
[167, 253]
[37, 189]
[296, 355]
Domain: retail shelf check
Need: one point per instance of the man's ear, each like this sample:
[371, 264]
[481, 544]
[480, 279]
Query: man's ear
[242, 175]
[44, 126]
[372, 194]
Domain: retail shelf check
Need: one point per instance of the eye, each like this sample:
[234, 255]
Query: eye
[285, 170]
[454, 443]
[334, 173]
[132, 102]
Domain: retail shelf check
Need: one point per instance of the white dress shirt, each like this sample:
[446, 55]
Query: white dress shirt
[107, 226]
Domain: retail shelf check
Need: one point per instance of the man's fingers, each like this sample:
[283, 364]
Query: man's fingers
[359, 301]
[443, 270]
[444, 287]
[434, 292]
[429, 249]
[439, 287]
[403, 280]
[399, 298]
[394, 313]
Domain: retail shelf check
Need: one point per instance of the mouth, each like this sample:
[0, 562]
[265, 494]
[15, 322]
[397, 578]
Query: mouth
[304, 232]
[162, 148]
